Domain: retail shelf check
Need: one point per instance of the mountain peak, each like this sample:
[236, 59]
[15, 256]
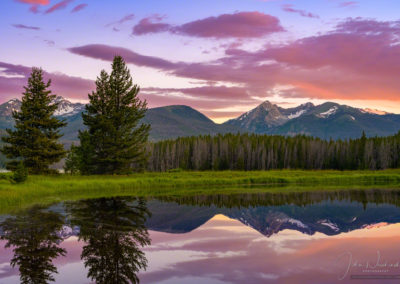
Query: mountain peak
[13, 101]
[307, 105]
[65, 107]
[267, 105]
[7, 108]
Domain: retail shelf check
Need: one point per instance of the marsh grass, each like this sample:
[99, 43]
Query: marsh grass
[49, 189]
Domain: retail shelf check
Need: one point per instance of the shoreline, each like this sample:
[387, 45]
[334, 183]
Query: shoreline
[50, 189]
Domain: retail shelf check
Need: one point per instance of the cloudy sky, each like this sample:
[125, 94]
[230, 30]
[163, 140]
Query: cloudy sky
[221, 57]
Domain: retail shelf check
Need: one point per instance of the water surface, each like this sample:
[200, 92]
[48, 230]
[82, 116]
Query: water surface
[330, 237]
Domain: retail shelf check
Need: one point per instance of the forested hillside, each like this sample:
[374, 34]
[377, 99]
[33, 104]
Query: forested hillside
[263, 152]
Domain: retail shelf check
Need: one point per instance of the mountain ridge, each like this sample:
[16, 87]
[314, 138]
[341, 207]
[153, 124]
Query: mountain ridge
[327, 120]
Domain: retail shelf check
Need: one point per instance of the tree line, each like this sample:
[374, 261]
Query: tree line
[267, 152]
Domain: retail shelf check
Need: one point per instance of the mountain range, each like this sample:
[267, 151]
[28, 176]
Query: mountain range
[328, 120]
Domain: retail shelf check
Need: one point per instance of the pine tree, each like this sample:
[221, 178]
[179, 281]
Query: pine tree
[112, 117]
[36, 134]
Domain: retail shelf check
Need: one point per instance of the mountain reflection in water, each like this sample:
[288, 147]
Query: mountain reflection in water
[325, 237]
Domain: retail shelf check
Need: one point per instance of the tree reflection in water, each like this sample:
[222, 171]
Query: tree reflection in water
[34, 237]
[114, 231]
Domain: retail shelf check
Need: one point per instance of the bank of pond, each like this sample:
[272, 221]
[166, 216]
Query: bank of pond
[53, 188]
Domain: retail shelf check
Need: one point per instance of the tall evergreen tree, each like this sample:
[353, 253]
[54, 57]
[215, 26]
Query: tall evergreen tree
[112, 117]
[34, 140]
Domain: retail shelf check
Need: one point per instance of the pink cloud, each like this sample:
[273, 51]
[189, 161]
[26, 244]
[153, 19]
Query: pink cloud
[79, 8]
[105, 52]
[59, 6]
[289, 8]
[34, 9]
[150, 25]
[124, 19]
[205, 91]
[205, 99]
[15, 77]
[20, 26]
[35, 2]
[348, 4]
[49, 42]
[357, 60]
[237, 25]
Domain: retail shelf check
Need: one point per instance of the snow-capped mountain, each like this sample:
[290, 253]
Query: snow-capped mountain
[7, 108]
[67, 110]
[266, 116]
[328, 120]
[65, 107]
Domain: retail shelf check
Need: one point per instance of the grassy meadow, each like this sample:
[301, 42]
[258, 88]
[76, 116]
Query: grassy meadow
[50, 189]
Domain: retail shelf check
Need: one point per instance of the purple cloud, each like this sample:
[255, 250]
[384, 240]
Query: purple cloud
[348, 4]
[14, 77]
[289, 8]
[357, 60]
[105, 52]
[20, 26]
[34, 9]
[35, 2]
[124, 19]
[59, 6]
[237, 25]
[79, 8]
[49, 42]
[150, 25]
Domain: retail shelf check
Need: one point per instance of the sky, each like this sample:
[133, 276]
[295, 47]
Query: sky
[221, 57]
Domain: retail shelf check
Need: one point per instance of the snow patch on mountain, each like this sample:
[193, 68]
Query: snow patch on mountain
[329, 112]
[292, 221]
[64, 110]
[243, 116]
[329, 224]
[67, 108]
[297, 114]
[297, 223]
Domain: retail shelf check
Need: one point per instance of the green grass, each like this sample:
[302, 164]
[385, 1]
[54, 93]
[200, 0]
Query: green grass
[50, 189]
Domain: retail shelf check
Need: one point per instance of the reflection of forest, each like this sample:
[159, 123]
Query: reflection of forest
[114, 230]
[269, 213]
[372, 196]
[114, 233]
[33, 237]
